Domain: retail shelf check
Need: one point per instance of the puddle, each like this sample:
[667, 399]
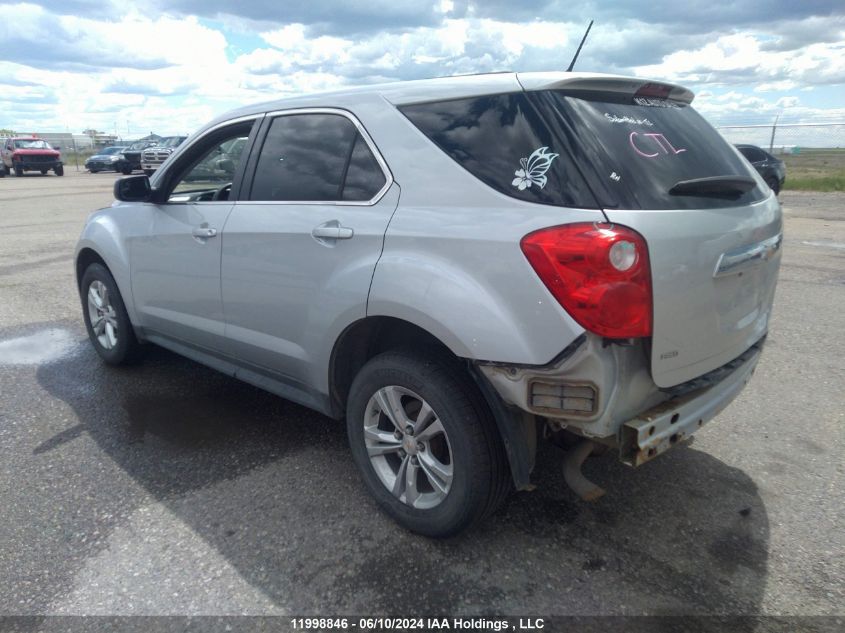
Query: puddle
[825, 244]
[38, 348]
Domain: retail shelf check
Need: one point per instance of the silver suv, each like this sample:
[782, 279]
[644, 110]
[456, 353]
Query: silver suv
[457, 267]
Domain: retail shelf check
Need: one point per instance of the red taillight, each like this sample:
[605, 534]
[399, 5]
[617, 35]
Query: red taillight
[599, 273]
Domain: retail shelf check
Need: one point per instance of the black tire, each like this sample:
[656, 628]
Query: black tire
[126, 171]
[60, 170]
[481, 477]
[774, 185]
[18, 172]
[94, 171]
[149, 172]
[127, 350]
[44, 172]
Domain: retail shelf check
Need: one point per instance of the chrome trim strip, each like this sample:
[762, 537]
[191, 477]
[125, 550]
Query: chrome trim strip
[747, 256]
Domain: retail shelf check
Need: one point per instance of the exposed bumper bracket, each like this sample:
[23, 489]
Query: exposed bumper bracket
[655, 431]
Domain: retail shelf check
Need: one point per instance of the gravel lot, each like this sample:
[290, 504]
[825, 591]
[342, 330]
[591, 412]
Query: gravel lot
[170, 489]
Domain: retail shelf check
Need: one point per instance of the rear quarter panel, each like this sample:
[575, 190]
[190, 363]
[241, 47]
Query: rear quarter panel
[452, 262]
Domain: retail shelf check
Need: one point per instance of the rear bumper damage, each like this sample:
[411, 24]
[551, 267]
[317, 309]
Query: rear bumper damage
[655, 431]
[604, 393]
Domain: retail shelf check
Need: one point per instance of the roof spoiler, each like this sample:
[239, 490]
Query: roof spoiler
[605, 83]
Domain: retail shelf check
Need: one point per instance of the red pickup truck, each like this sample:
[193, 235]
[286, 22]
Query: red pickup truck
[22, 154]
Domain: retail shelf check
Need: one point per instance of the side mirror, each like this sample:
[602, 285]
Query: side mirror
[133, 189]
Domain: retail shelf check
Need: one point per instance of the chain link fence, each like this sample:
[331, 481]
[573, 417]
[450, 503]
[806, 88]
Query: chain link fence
[814, 153]
[789, 138]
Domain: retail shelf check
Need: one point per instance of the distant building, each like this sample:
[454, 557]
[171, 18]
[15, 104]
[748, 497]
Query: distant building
[66, 141]
[84, 142]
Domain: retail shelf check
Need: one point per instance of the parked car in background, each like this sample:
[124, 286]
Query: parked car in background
[130, 158]
[106, 159]
[3, 140]
[573, 256]
[31, 153]
[772, 169]
[153, 157]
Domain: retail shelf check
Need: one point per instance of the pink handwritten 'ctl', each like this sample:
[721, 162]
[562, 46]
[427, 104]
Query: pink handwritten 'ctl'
[655, 138]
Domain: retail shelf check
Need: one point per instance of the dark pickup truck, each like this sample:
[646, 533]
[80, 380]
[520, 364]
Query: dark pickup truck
[131, 156]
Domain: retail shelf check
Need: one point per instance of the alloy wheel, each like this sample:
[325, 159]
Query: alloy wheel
[408, 447]
[102, 315]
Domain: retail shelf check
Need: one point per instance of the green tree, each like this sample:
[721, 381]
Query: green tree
[7, 132]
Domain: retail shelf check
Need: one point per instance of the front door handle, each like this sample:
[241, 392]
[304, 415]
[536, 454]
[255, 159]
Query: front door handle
[204, 232]
[332, 231]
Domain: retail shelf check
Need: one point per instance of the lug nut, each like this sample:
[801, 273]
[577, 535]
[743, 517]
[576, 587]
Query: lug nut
[402, 453]
[415, 461]
[409, 430]
[397, 434]
[420, 446]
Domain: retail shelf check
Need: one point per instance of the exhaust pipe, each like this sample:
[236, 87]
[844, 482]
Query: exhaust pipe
[572, 462]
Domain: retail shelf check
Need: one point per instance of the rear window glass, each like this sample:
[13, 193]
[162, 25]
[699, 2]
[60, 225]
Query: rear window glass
[639, 148]
[503, 141]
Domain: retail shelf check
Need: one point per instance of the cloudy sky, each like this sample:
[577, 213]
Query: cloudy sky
[169, 66]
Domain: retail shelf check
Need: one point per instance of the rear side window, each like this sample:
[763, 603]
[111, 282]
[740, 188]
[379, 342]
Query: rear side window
[315, 158]
[503, 141]
[639, 148]
[364, 177]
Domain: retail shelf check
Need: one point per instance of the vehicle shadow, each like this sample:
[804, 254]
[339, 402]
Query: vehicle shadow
[272, 488]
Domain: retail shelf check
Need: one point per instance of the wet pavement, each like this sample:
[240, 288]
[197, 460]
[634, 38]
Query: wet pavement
[167, 488]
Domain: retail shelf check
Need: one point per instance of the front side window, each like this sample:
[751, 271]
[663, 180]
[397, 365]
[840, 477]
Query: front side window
[315, 158]
[209, 176]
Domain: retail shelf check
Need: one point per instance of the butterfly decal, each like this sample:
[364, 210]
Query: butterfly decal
[534, 169]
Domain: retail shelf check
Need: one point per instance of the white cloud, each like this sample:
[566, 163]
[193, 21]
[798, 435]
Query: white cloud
[153, 69]
[134, 40]
[742, 58]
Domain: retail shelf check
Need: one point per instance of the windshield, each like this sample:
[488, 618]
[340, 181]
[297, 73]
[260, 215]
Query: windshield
[173, 141]
[31, 144]
[639, 148]
[108, 151]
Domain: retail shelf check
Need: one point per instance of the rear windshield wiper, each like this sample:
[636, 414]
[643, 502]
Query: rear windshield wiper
[721, 186]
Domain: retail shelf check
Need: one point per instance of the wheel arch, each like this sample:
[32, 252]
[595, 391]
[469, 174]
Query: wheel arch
[98, 245]
[364, 339]
[367, 337]
[84, 258]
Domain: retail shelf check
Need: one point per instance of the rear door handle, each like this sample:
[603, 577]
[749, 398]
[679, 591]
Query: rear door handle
[332, 231]
[204, 232]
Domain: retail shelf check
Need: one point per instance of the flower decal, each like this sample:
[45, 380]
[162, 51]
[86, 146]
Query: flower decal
[534, 169]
